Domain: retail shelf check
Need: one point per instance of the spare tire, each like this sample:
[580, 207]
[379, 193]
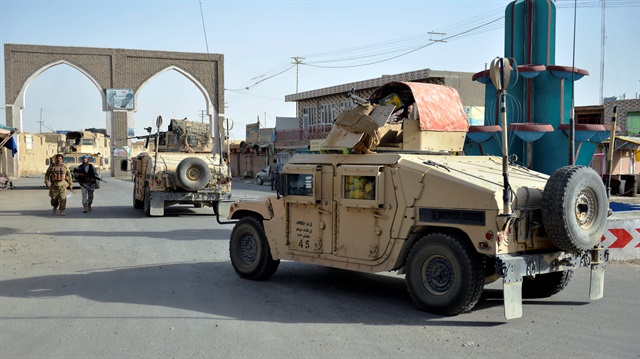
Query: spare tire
[192, 174]
[574, 208]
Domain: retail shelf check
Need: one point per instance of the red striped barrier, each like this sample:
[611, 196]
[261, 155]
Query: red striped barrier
[622, 238]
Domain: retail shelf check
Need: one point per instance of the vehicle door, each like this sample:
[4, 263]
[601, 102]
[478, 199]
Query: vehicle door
[363, 217]
[308, 200]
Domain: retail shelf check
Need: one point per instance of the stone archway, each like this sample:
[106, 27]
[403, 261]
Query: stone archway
[112, 69]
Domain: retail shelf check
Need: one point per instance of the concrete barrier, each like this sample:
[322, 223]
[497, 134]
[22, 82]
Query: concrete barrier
[622, 235]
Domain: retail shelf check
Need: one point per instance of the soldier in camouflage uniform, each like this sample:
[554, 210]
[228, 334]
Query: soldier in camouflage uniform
[56, 180]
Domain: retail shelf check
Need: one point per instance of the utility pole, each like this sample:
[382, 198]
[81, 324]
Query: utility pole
[40, 122]
[297, 61]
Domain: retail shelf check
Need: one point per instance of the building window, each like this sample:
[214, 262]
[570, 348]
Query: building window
[326, 114]
[87, 141]
[309, 116]
[589, 118]
[633, 123]
[345, 105]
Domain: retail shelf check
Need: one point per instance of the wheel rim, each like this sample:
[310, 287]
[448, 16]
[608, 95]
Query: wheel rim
[586, 208]
[193, 174]
[248, 249]
[437, 275]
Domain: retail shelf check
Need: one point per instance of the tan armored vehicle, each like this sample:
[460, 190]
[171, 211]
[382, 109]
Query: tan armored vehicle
[181, 170]
[74, 159]
[402, 200]
[94, 145]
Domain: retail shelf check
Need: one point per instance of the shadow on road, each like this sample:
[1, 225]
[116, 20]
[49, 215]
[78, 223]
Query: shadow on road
[185, 234]
[295, 294]
[105, 212]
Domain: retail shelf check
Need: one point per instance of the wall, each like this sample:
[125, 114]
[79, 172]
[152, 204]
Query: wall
[34, 154]
[623, 106]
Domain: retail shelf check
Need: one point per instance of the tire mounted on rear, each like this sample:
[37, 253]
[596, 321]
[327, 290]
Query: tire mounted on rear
[574, 208]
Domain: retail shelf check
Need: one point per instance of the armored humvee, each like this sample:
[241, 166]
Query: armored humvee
[406, 199]
[93, 144]
[181, 170]
[74, 159]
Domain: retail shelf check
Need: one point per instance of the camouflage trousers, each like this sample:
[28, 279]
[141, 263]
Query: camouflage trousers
[58, 194]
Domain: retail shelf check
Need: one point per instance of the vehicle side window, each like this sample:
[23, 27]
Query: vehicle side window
[173, 139]
[299, 184]
[359, 187]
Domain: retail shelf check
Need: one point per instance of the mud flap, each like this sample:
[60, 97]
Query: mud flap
[596, 284]
[512, 299]
[157, 206]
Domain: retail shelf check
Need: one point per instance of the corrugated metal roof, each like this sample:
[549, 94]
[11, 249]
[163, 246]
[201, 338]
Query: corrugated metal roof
[634, 140]
[630, 139]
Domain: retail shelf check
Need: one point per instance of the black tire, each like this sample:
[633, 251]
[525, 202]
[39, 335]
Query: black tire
[192, 174]
[249, 250]
[137, 204]
[574, 208]
[259, 181]
[444, 275]
[545, 285]
[147, 200]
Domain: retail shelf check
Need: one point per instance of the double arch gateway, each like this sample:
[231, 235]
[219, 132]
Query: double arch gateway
[112, 69]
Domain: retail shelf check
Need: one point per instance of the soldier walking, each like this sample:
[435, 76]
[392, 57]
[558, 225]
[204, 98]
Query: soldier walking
[87, 178]
[56, 180]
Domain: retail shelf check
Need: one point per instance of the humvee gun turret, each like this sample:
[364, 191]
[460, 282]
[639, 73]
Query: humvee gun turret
[181, 170]
[404, 199]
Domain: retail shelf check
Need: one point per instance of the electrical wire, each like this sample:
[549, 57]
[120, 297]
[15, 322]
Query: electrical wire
[371, 53]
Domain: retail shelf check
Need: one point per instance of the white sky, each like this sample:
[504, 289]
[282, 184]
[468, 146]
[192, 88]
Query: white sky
[258, 39]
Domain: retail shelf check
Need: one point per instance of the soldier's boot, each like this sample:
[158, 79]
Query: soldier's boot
[54, 210]
[85, 208]
[62, 212]
[89, 207]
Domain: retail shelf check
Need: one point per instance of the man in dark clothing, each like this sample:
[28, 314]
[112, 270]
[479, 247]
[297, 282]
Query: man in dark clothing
[87, 178]
[273, 173]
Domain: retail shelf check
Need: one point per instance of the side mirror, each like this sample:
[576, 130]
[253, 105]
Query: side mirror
[124, 166]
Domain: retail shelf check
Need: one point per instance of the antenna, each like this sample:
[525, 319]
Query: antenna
[500, 72]
[602, 32]
[572, 123]
[217, 146]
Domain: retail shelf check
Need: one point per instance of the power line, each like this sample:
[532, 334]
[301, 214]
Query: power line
[397, 48]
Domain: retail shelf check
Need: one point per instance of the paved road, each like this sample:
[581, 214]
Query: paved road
[114, 283]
